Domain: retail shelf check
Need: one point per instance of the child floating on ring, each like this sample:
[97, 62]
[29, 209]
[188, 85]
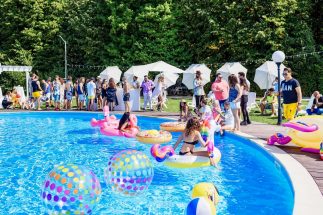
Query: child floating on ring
[191, 136]
[124, 123]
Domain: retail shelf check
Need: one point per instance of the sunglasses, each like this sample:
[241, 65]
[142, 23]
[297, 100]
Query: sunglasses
[284, 74]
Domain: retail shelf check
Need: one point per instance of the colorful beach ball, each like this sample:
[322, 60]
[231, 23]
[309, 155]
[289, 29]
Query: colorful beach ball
[129, 172]
[71, 189]
[207, 190]
[200, 206]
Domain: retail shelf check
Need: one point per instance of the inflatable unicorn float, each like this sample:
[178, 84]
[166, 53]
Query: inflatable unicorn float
[306, 132]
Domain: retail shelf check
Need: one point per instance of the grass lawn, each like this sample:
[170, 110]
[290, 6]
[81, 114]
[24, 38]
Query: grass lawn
[255, 116]
[173, 106]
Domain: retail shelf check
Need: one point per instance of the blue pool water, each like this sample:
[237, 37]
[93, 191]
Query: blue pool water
[250, 181]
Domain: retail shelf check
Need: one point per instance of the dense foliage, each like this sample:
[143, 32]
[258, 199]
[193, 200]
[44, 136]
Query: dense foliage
[129, 32]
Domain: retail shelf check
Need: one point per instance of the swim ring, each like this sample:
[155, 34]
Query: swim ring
[112, 130]
[308, 139]
[154, 136]
[192, 161]
[173, 126]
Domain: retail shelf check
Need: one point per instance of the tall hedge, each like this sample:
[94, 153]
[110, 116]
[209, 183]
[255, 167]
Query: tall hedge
[128, 32]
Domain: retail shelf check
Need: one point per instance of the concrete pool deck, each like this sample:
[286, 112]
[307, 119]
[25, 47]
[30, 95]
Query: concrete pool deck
[305, 170]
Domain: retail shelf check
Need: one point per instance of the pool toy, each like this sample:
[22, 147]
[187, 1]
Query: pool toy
[70, 189]
[129, 172]
[173, 126]
[278, 138]
[112, 130]
[306, 132]
[112, 120]
[315, 151]
[200, 206]
[154, 136]
[160, 154]
[205, 129]
[192, 161]
[207, 190]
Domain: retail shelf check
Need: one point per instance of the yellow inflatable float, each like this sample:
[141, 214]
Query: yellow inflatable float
[173, 126]
[308, 139]
[207, 190]
[154, 137]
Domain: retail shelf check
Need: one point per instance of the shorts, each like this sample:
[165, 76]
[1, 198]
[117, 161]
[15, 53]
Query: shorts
[47, 95]
[126, 97]
[69, 96]
[91, 97]
[56, 98]
[36, 94]
[290, 110]
[81, 97]
[234, 105]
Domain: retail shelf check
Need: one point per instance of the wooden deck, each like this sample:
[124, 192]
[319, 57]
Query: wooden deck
[311, 162]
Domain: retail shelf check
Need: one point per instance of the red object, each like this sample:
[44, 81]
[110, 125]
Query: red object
[18, 96]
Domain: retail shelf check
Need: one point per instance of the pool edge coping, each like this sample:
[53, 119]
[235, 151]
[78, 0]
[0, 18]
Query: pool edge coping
[307, 196]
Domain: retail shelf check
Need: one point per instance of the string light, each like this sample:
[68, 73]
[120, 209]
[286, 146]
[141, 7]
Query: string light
[215, 65]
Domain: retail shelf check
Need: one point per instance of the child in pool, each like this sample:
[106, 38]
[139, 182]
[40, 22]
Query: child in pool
[191, 136]
[184, 111]
[228, 117]
[205, 110]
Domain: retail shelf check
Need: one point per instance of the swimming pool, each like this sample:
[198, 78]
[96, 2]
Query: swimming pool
[31, 144]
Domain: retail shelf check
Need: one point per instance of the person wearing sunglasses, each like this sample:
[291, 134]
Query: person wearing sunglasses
[292, 94]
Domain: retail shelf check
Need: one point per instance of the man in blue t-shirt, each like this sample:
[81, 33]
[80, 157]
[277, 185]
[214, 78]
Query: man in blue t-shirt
[292, 94]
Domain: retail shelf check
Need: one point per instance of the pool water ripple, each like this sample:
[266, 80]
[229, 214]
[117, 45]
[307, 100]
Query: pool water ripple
[32, 143]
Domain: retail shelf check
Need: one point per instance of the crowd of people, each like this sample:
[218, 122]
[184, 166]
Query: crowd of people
[228, 100]
[89, 94]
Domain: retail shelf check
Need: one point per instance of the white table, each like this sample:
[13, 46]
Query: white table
[134, 100]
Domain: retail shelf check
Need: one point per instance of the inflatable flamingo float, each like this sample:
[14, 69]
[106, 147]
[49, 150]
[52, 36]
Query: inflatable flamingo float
[110, 120]
[112, 129]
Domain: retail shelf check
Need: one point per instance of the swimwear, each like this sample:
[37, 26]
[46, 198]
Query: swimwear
[192, 143]
[184, 153]
[126, 97]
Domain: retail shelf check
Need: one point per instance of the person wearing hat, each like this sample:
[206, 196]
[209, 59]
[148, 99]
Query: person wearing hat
[135, 82]
[91, 90]
[198, 89]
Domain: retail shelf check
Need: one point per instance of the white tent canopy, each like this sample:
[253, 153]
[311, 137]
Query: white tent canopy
[231, 68]
[169, 78]
[189, 74]
[161, 66]
[111, 72]
[25, 69]
[266, 74]
[140, 71]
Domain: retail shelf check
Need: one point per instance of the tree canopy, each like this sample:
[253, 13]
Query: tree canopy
[128, 32]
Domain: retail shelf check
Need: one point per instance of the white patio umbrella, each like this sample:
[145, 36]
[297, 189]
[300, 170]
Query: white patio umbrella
[190, 73]
[231, 68]
[140, 71]
[161, 66]
[169, 78]
[111, 72]
[266, 74]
